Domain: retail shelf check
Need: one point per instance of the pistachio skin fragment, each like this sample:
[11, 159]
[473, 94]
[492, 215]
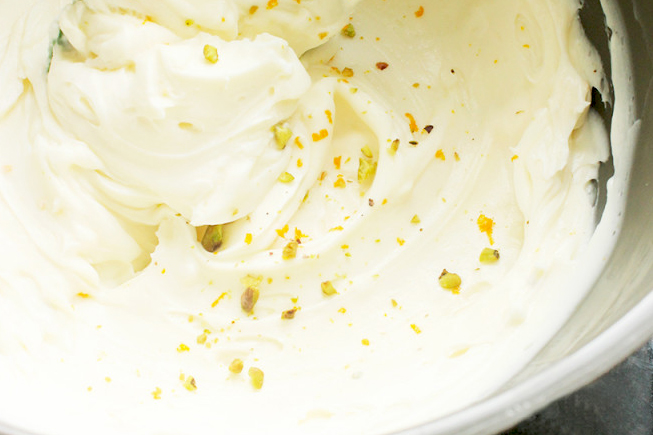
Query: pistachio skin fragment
[211, 53]
[290, 250]
[213, 237]
[449, 281]
[257, 377]
[328, 289]
[489, 256]
[282, 135]
[249, 298]
[236, 366]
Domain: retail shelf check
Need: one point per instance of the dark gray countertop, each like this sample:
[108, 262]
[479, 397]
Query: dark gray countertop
[620, 402]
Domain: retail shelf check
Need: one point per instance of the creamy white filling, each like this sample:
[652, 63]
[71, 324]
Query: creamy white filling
[116, 149]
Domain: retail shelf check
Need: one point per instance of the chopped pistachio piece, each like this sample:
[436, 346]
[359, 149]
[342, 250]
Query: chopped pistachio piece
[489, 256]
[348, 31]
[256, 376]
[286, 177]
[328, 289]
[211, 53]
[394, 146]
[282, 135]
[201, 339]
[289, 314]
[366, 169]
[236, 366]
[249, 298]
[449, 281]
[190, 384]
[367, 152]
[290, 251]
[212, 239]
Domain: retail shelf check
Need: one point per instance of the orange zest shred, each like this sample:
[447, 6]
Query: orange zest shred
[299, 143]
[329, 116]
[340, 183]
[515, 157]
[486, 225]
[323, 134]
[282, 232]
[217, 301]
[439, 154]
[272, 4]
[413, 123]
[337, 161]
[419, 12]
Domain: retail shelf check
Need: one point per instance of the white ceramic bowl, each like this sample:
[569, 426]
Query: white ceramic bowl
[616, 317]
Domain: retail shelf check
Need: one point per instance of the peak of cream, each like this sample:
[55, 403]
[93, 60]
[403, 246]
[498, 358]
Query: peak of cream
[188, 133]
[352, 151]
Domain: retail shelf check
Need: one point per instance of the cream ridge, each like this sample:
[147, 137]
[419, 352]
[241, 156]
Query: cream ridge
[399, 194]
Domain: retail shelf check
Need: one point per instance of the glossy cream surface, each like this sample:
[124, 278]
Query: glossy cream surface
[120, 141]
